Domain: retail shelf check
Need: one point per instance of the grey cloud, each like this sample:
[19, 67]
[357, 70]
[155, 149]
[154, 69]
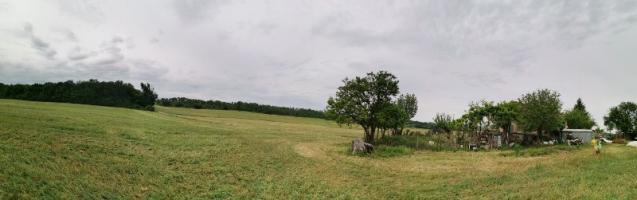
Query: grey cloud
[117, 39]
[71, 36]
[76, 57]
[78, 54]
[456, 29]
[195, 10]
[38, 44]
[21, 73]
[87, 11]
[28, 28]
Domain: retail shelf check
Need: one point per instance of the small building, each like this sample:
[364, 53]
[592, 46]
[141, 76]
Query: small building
[585, 135]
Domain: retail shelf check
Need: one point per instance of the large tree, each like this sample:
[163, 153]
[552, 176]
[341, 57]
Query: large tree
[540, 111]
[579, 118]
[623, 118]
[361, 101]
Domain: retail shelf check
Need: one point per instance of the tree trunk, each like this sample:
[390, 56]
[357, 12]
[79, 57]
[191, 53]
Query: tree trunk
[369, 134]
[372, 133]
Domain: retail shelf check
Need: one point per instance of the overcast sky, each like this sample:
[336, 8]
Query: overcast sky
[295, 53]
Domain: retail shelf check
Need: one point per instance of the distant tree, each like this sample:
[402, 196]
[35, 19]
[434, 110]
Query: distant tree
[579, 105]
[598, 130]
[147, 97]
[3, 90]
[444, 123]
[623, 118]
[540, 111]
[423, 125]
[408, 103]
[579, 118]
[505, 113]
[481, 115]
[362, 99]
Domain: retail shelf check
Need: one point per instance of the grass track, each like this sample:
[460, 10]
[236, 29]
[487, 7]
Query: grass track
[68, 151]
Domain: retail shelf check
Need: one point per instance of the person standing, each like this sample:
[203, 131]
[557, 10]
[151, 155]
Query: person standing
[597, 145]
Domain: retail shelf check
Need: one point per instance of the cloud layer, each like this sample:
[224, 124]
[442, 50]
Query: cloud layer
[295, 53]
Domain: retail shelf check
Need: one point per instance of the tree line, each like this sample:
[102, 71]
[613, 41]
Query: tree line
[373, 102]
[240, 106]
[93, 92]
[539, 111]
[266, 109]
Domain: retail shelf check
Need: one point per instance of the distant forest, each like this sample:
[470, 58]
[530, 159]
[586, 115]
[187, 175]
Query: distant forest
[93, 92]
[417, 124]
[120, 94]
[259, 108]
[241, 106]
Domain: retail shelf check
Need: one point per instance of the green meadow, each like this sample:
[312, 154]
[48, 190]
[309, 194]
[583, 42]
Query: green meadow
[69, 151]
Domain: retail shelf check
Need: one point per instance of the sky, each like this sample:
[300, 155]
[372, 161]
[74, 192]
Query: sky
[448, 53]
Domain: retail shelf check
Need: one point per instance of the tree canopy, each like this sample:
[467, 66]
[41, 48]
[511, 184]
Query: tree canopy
[406, 107]
[241, 106]
[578, 117]
[409, 103]
[623, 118]
[366, 101]
[540, 111]
[444, 123]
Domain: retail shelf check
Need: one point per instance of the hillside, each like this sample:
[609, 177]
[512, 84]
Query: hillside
[69, 151]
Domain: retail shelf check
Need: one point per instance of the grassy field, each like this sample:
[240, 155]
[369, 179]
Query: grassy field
[67, 151]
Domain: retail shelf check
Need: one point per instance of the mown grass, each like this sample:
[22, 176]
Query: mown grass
[540, 150]
[66, 151]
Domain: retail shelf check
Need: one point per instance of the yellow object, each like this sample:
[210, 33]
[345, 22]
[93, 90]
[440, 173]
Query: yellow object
[594, 142]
